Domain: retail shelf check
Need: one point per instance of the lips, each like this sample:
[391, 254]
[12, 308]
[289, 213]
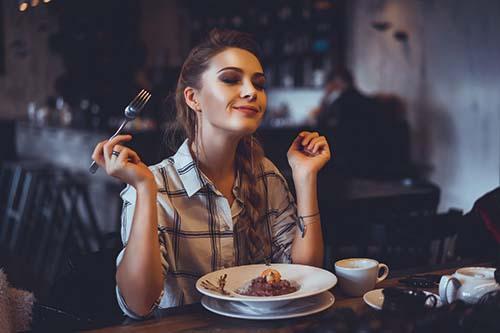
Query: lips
[247, 109]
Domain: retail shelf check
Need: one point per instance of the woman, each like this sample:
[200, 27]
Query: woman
[217, 202]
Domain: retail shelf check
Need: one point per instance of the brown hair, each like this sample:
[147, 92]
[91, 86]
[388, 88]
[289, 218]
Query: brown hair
[249, 152]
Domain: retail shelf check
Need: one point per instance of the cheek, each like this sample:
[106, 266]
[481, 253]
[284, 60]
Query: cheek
[213, 103]
[217, 99]
[262, 100]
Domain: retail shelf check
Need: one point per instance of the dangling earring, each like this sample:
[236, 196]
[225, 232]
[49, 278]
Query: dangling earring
[196, 142]
[251, 153]
[197, 154]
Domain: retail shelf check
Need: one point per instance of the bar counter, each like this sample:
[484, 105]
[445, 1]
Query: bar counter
[70, 149]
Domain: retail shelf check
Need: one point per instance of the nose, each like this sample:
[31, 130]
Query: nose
[248, 90]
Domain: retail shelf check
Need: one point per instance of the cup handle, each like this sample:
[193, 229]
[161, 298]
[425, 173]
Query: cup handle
[444, 283]
[384, 275]
[434, 300]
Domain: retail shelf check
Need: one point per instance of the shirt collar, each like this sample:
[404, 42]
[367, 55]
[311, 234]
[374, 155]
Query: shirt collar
[184, 163]
[192, 178]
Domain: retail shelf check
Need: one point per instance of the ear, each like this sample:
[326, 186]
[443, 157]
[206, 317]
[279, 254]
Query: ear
[191, 99]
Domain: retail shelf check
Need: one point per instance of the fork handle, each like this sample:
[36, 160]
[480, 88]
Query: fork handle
[94, 166]
[124, 122]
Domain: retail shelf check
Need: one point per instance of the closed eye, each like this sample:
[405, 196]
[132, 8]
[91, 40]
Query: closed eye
[230, 77]
[260, 83]
[233, 77]
[229, 80]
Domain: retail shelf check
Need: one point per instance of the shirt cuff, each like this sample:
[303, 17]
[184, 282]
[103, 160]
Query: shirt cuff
[123, 305]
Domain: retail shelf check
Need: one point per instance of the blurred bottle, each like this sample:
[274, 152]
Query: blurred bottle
[81, 114]
[321, 43]
[45, 113]
[306, 25]
[286, 72]
[307, 75]
[63, 112]
[42, 115]
[31, 111]
[95, 116]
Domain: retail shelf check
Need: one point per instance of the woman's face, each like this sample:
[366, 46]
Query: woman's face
[232, 97]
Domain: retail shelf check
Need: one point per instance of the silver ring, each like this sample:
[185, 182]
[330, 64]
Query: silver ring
[115, 153]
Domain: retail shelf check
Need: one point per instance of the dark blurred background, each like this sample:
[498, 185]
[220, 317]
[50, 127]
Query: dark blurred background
[402, 179]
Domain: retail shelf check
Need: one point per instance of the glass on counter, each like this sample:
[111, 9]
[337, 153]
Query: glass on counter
[63, 114]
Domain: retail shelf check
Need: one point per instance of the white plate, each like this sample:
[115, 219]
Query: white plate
[311, 281]
[298, 308]
[375, 299]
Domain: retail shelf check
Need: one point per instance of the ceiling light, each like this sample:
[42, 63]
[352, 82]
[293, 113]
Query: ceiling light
[23, 5]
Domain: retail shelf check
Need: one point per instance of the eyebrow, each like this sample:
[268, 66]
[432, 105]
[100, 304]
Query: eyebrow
[238, 70]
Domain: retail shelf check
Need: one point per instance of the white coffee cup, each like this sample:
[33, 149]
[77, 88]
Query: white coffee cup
[359, 275]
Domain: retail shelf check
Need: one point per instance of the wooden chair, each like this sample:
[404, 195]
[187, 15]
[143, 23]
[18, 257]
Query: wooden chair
[48, 216]
[390, 228]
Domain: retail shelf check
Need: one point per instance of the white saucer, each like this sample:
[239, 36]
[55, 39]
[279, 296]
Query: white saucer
[375, 299]
[297, 308]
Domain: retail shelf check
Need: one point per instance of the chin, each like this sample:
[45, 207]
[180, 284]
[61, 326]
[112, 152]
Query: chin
[246, 127]
[243, 131]
[251, 129]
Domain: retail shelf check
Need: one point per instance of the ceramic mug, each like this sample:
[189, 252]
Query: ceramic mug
[468, 284]
[359, 275]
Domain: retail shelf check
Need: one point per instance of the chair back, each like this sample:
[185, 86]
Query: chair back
[47, 216]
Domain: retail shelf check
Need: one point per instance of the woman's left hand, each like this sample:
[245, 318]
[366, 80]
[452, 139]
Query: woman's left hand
[308, 153]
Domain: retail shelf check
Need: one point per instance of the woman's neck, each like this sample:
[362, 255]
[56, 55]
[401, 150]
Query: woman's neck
[216, 156]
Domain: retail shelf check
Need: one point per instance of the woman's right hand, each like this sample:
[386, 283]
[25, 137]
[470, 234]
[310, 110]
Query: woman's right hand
[121, 162]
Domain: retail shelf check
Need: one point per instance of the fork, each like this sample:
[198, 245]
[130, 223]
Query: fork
[131, 111]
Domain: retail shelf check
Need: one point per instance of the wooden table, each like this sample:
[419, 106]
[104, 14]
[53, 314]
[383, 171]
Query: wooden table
[194, 318]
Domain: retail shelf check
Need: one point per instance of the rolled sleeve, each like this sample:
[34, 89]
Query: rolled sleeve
[129, 313]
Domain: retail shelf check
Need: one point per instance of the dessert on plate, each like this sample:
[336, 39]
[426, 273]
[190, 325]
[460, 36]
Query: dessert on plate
[269, 283]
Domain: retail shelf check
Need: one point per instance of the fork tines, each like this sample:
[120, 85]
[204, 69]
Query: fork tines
[207, 283]
[210, 286]
[137, 104]
[142, 97]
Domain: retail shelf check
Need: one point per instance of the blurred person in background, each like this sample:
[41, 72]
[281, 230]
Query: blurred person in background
[371, 134]
[346, 116]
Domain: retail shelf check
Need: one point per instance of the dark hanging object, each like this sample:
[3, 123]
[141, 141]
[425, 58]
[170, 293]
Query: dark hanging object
[401, 36]
[381, 25]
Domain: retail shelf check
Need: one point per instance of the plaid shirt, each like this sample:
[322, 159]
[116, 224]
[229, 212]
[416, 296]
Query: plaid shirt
[198, 230]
